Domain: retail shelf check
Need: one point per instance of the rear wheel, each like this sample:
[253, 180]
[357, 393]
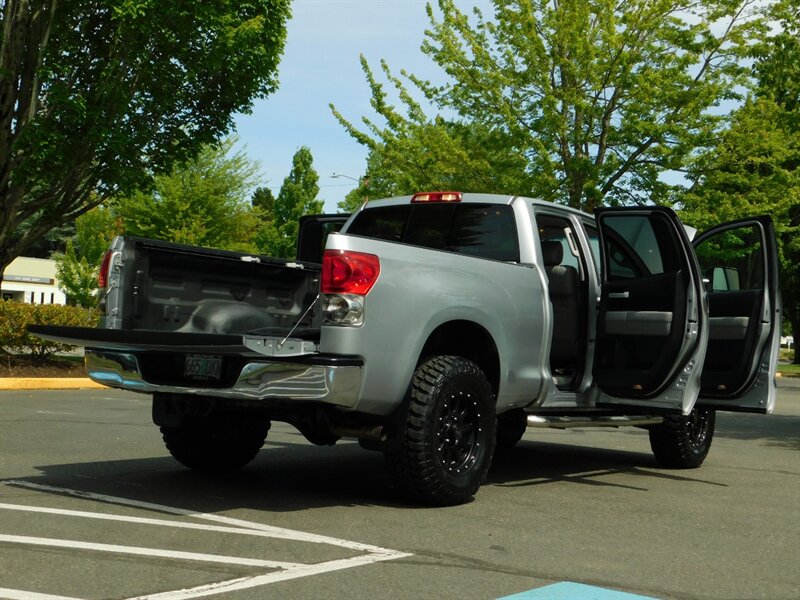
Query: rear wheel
[448, 441]
[683, 442]
[215, 444]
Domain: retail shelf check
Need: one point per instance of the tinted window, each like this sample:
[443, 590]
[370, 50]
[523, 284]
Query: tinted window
[385, 223]
[430, 225]
[732, 260]
[636, 240]
[557, 229]
[484, 230]
[639, 245]
[488, 231]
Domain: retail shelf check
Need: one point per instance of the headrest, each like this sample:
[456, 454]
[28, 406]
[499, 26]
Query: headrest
[552, 253]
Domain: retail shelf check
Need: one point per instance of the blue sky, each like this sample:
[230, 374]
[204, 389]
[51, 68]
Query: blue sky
[321, 65]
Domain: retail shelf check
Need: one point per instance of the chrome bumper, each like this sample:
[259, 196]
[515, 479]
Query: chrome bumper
[339, 385]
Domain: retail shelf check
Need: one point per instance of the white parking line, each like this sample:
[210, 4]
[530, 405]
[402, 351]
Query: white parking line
[8, 594]
[272, 531]
[259, 580]
[139, 520]
[138, 551]
[283, 570]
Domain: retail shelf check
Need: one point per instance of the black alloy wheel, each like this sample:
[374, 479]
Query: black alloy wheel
[448, 437]
[683, 442]
[458, 435]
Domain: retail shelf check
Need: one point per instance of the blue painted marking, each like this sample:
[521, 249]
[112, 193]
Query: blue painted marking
[567, 590]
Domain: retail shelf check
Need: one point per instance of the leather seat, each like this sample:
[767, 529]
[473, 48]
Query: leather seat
[564, 289]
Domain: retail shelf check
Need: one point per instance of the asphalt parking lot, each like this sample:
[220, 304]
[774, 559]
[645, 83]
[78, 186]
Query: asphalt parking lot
[91, 506]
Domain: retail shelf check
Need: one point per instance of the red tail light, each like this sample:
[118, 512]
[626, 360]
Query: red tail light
[102, 276]
[346, 272]
[436, 197]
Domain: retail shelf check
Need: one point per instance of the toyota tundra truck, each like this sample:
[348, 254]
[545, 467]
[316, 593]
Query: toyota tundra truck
[437, 327]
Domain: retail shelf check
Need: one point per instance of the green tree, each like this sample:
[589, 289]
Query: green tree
[297, 197]
[97, 97]
[755, 166]
[94, 231]
[77, 277]
[51, 242]
[599, 97]
[264, 200]
[203, 202]
[417, 153]
[777, 67]
[77, 267]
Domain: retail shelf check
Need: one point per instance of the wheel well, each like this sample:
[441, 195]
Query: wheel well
[468, 340]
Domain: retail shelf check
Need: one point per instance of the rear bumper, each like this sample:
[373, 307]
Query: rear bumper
[332, 383]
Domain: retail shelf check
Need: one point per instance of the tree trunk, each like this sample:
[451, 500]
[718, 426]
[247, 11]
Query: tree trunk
[796, 335]
[4, 262]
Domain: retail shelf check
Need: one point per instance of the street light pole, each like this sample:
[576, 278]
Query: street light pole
[339, 175]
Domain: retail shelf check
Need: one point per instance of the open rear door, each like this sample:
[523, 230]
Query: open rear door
[739, 264]
[651, 327]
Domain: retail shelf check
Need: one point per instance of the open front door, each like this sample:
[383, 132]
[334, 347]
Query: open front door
[739, 263]
[651, 327]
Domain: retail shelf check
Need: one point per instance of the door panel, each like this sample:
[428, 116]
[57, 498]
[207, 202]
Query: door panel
[739, 265]
[651, 329]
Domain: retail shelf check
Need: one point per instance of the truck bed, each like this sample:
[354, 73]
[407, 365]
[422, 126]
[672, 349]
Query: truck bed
[177, 288]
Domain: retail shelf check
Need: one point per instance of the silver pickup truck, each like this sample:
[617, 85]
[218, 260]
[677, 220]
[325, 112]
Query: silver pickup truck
[438, 327]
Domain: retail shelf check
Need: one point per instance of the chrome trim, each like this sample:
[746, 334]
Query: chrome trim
[275, 346]
[599, 421]
[257, 380]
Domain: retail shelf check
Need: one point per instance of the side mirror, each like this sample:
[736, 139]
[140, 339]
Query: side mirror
[725, 279]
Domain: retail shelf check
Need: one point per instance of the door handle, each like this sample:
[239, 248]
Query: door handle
[619, 294]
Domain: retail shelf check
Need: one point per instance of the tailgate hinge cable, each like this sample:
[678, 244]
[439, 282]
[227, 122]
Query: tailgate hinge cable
[300, 320]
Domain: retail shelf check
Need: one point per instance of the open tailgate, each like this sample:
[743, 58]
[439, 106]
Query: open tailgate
[173, 341]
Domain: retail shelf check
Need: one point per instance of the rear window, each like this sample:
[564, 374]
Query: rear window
[483, 230]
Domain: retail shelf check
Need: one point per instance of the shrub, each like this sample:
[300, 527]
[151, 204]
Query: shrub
[16, 316]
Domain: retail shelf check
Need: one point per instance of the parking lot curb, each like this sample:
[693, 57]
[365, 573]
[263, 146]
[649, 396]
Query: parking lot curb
[48, 383]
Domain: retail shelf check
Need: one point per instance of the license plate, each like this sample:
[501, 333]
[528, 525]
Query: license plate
[200, 366]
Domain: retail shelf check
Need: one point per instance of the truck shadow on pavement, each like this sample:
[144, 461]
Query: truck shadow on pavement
[777, 431]
[539, 463]
[283, 477]
[294, 477]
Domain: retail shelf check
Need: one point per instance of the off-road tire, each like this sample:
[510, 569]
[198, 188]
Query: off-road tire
[683, 442]
[511, 426]
[448, 438]
[215, 444]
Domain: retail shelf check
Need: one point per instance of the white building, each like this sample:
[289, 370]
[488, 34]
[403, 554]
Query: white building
[32, 280]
